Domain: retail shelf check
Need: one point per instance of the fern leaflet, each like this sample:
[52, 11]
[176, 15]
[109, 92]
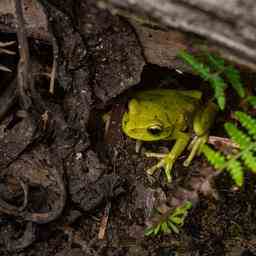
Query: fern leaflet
[249, 160]
[230, 73]
[247, 122]
[213, 70]
[216, 63]
[197, 66]
[236, 162]
[234, 79]
[218, 86]
[214, 157]
[171, 222]
[235, 169]
[237, 135]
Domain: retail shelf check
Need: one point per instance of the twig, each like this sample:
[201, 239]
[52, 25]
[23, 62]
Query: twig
[104, 221]
[220, 140]
[55, 61]
[6, 51]
[23, 66]
[45, 119]
[3, 68]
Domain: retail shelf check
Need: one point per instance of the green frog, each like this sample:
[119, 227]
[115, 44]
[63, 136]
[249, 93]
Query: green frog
[165, 114]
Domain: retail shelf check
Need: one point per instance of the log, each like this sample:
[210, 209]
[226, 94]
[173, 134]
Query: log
[229, 26]
[166, 26]
[35, 19]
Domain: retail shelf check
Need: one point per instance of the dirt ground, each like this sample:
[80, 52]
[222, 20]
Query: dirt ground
[73, 185]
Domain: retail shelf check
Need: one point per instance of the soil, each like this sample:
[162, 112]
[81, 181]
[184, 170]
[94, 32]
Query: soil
[72, 184]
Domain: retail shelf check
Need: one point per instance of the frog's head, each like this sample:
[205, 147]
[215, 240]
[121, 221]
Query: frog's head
[147, 121]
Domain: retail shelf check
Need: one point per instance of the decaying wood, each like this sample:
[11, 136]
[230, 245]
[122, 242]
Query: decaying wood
[24, 77]
[161, 47]
[35, 19]
[229, 25]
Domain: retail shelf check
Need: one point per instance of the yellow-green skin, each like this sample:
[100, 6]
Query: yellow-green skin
[164, 114]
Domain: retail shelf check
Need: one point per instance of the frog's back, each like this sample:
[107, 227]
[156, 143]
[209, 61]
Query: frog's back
[180, 100]
[168, 93]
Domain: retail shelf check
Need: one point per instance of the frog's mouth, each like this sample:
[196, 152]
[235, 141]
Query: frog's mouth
[148, 134]
[156, 131]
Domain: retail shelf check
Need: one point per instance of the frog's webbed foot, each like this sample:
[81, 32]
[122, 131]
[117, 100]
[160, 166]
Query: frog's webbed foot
[195, 148]
[201, 125]
[169, 159]
[166, 163]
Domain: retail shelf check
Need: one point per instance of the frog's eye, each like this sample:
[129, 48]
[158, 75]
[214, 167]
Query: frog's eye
[155, 129]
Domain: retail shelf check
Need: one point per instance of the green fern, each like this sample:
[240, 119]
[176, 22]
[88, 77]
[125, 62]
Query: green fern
[219, 76]
[196, 65]
[171, 222]
[247, 122]
[245, 157]
[218, 86]
[234, 79]
[230, 73]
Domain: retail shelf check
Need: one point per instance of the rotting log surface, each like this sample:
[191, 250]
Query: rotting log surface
[228, 26]
[230, 23]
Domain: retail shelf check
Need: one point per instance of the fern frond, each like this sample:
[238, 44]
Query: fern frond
[214, 71]
[219, 87]
[247, 122]
[202, 70]
[244, 157]
[234, 79]
[165, 228]
[173, 227]
[172, 222]
[234, 167]
[214, 157]
[232, 74]
[215, 62]
[157, 229]
[237, 135]
[149, 231]
[177, 218]
[249, 160]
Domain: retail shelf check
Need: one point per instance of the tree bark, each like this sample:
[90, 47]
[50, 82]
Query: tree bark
[228, 25]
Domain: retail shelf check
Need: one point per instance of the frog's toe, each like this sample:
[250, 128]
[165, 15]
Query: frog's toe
[192, 143]
[167, 164]
[151, 170]
[156, 155]
[196, 149]
[167, 170]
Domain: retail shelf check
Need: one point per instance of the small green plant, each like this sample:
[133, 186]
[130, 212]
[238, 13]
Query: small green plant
[219, 75]
[243, 157]
[171, 221]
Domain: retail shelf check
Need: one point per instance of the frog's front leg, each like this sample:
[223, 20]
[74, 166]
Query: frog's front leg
[168, 160]
[201, 125]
